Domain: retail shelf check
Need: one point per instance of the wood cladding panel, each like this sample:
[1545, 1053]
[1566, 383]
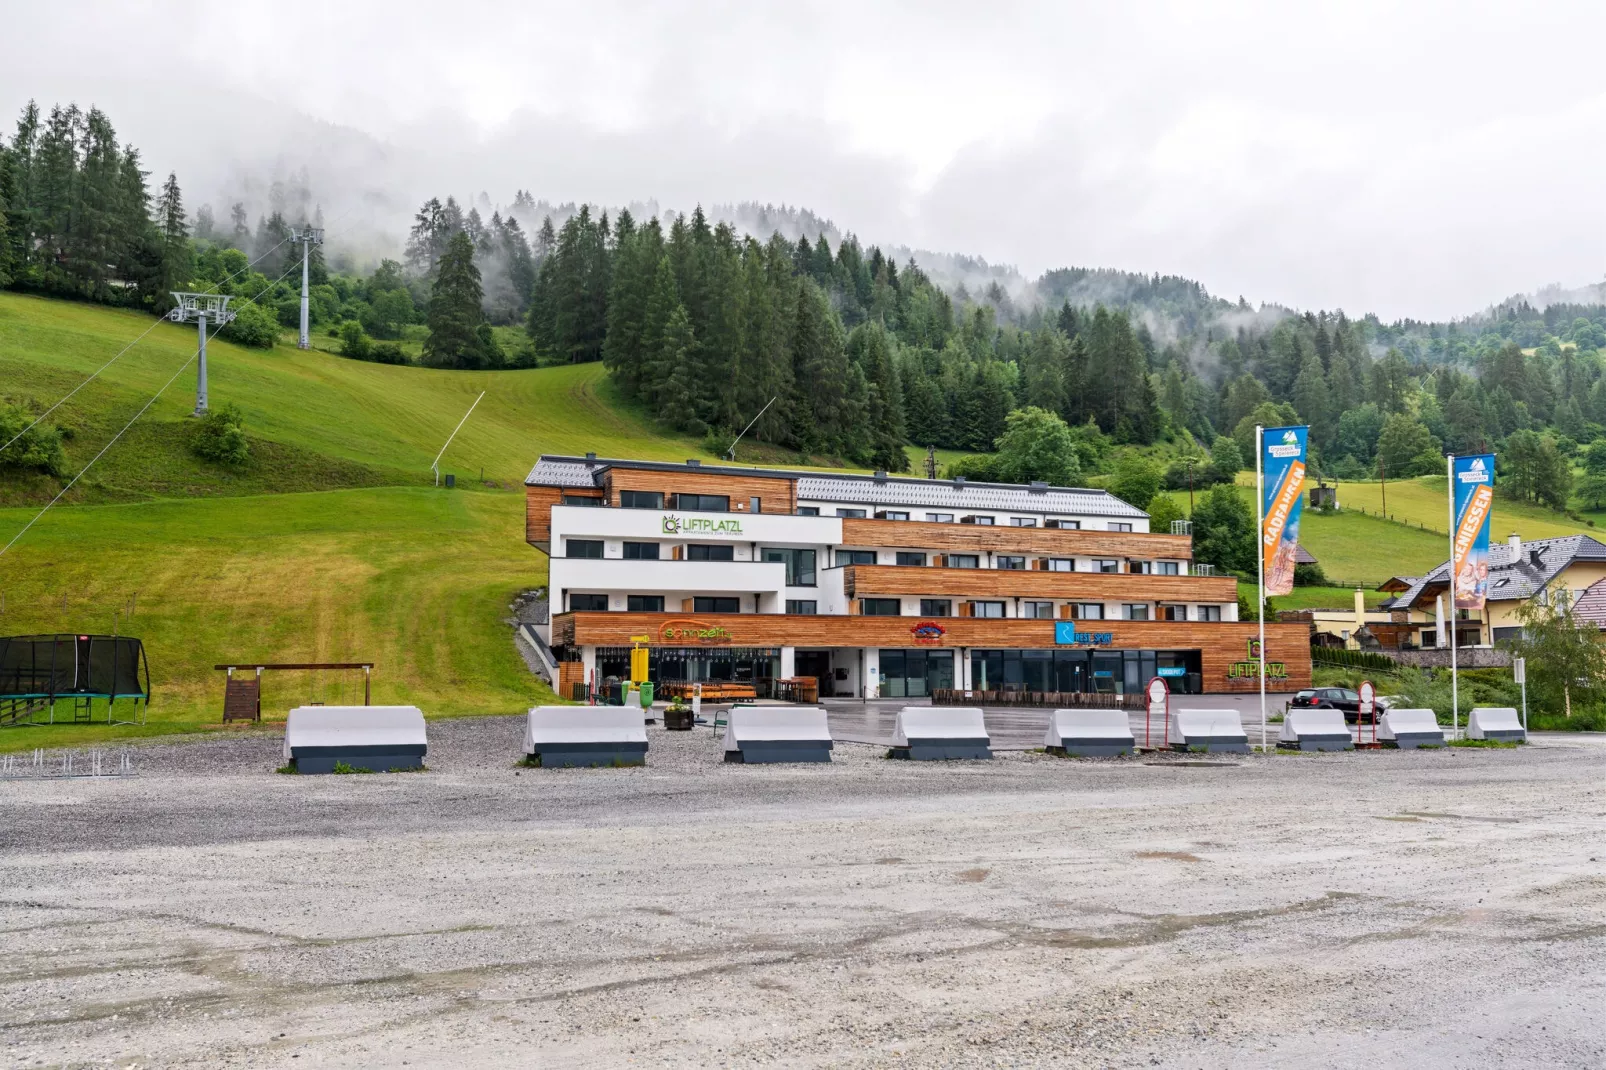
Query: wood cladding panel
[776, 495]
[1056, 542]
[870, 580]
[538, 503]
[1224, 647]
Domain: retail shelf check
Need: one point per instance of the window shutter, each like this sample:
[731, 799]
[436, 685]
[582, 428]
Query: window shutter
[940, 561]
[686, 604]
[966, 609]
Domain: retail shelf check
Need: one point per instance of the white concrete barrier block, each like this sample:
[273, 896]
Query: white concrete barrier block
[934, 733]
[1208, 730]
[1496, 722]
[1408, 729]
[763, 734]
[1090, 733]
[1315, 729]
[375, 738]
[564, 736]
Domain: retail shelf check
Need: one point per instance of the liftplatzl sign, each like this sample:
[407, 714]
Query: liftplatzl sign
[1250, 666]
[699, 525]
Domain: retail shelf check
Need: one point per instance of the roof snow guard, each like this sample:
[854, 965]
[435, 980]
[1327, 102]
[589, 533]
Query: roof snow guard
[577, 472]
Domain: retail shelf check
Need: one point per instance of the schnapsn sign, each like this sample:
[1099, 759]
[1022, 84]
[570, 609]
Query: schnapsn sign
[700, 525]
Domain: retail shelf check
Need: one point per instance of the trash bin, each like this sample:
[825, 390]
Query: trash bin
[616, 693]
[646, 694]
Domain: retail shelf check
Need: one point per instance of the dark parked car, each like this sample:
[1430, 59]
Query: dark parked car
[1332, 698]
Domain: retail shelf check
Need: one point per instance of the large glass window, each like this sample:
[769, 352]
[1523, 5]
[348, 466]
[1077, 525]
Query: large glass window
[940, 518]
[1023, 521]
[1087, 611]
[936, 607]
[646, 603]
[1061, 564]
[1118, 526]
[588, 603]
[987, 609]
[911, 557]
[799, 564]
[585, 501]
[1014, 562]
[1037, 610]
[893, 514]
[716, 605]
[641, 551]
[1083, 670]
[855, 557]
[590, 548]
[641, 499]
[1135, 611]
[1166, 568]
[851, 514]
[1064, 525]
[985, 521]
[1106, 565]
[915, 673]
[880, 607]
[808, 510]
[802, 607]
[703, 503]
[1170, 612]
[717, 552]
[964, 561]
[1209, 613]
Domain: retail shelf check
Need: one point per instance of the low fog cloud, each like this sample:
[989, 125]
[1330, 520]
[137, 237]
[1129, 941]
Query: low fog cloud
[1408, 160]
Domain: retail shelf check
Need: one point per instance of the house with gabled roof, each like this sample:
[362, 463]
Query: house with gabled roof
[1518, 571]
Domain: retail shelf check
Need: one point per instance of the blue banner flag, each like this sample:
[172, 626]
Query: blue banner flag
[1472, 484]
[1282, 457]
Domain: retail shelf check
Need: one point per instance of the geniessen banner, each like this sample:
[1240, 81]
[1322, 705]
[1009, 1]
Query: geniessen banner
[1472, 485]
[1282, 451]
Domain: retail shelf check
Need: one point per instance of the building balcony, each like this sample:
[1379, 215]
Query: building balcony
[609, 574]
[862, 581]
[1040, 541]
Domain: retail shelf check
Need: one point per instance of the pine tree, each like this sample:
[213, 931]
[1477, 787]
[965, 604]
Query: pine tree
[454, 309]
[1311, 400]
[177, 262]
[871, 350]
[661, 305]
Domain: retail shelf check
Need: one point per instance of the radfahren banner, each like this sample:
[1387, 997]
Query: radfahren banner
[1283, 471]
[1472, 485]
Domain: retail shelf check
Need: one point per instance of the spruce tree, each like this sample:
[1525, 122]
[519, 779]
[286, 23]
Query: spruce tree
[454, 309]
[177, 259]
[661, 305]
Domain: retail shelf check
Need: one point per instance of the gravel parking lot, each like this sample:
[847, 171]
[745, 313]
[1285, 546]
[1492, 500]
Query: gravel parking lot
[1380, 908]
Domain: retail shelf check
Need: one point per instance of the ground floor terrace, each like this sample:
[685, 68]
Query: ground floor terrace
[907, 657]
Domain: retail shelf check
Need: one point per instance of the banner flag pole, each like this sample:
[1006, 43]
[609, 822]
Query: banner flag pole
[1260, 573]
[1455, 694]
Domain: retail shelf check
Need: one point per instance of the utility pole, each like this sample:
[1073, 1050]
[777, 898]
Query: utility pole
[1190, 462]
[931, 462]
[1383, 471]
[200, 308]
[308, 237]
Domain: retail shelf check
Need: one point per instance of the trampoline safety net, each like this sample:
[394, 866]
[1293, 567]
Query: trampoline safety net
[66, 666]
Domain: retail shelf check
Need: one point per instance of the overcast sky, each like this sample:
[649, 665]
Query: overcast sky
[1409, 159]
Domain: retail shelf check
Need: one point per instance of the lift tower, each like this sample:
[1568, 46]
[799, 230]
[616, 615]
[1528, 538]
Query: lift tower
[201, 308]
[308, 237]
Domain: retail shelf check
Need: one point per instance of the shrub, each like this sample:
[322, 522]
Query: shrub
[220, 436]
[252, 326]
[354, 343]
[1310, 576]
[387, 353]
[38, 449]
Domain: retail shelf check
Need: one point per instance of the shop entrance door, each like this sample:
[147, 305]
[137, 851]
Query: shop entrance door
[815, 663]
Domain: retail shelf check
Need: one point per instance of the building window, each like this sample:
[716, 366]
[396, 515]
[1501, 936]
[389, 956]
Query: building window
[1209, 613]
[755, 504]
[1037, 610]
[994, 610]
[1118, 526]
[645, 603]
[719, 552]
[984, 521]
[1106, 565]
[1064, 525]
[964, 561]
[590, 548]
[1023, 521]
[855, 557]
[936, 607]
[892, 514]
[799, 564]
[940, 518]
[1135, 611]
[808, 510]
[1060, 564]
[1087, 611]
[641, 499]
[911, 557]
[1165, 612]
[588, 603]
[802, 607]
[880, 607]
[1012, 562]
[641, 551]
[582, 500]
[702, 503]
[851, 514]
[1166, 568]
[716, 605]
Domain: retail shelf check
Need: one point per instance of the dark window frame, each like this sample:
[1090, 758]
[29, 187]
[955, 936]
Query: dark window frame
[631, 603]
[585, 546]
[884, 607]
[710, 551]
[587, 608]
[656, 555]
[716, 604]
[629, 499]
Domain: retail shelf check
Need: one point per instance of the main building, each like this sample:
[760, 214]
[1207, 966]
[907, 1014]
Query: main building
[879, 586]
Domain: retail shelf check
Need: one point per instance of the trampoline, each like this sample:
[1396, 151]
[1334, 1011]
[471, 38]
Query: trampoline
[38, 671]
